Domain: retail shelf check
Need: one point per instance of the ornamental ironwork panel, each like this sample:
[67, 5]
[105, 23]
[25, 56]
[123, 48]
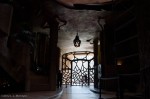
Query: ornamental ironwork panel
[75, 65]
[79, 70]
[91, 71]
[66, 71]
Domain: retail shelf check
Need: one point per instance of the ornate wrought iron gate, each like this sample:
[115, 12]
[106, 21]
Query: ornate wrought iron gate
[77, 64]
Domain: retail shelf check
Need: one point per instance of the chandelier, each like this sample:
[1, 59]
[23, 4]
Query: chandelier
[77, 41]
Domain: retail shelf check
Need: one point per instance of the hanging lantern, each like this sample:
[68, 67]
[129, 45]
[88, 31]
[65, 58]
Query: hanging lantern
[77, 41]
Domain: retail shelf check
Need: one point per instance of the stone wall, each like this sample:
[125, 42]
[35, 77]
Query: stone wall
[143, 15]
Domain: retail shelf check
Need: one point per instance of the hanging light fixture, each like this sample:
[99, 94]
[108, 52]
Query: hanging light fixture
[77, 41]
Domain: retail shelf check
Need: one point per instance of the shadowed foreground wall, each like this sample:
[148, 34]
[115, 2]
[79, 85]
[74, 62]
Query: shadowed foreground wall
[143, 15]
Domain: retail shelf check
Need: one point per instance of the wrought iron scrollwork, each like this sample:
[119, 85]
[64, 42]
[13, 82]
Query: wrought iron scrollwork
[75, 67]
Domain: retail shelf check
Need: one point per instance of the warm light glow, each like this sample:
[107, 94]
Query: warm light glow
[81, 56]
[71, 57]
[119, 62]
[68, 63]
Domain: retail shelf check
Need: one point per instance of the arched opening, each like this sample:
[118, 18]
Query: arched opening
[75, 65]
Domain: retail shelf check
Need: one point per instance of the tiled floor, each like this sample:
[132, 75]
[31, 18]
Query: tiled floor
[78, 92]
[71, 92]
[83, 92]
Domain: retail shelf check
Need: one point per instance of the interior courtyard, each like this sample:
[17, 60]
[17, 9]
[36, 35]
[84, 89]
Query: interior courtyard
[101, 47]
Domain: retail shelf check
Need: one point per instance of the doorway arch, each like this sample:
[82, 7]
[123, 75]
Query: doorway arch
[77, 64]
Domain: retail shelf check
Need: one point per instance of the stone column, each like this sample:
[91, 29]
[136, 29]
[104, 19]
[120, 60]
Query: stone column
[53, 51]
[96, 63]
